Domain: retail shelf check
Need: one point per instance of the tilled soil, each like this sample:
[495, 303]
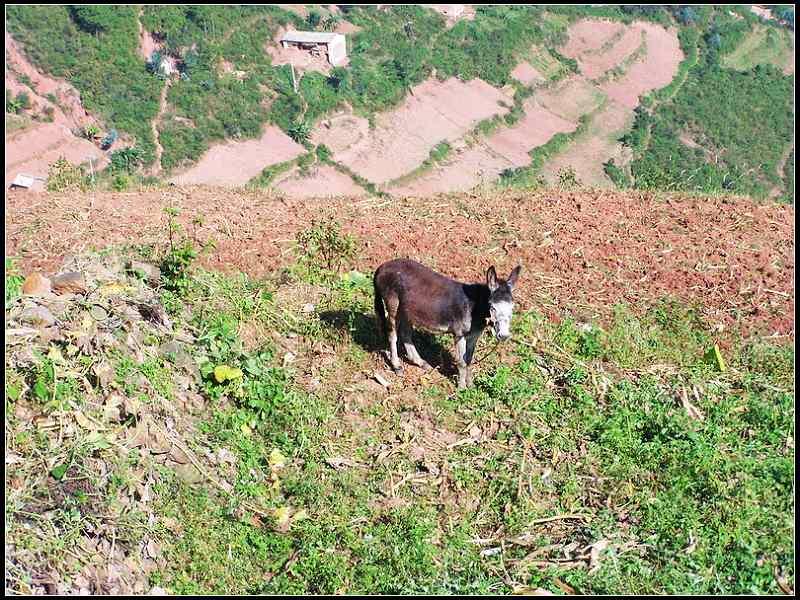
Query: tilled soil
[581, 251]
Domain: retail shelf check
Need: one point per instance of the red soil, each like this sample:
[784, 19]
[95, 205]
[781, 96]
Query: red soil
[403, 138]
[236, 163]
[31, 151]
[526, 74]
[581, 252]
[664, 54]
[321, 182]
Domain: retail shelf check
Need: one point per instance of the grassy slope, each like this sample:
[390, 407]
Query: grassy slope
[567, 421]
[716, 105]
[104, 66]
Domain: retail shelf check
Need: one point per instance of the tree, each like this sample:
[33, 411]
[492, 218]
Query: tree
[686, 15]
[96, 19]
[313, 19]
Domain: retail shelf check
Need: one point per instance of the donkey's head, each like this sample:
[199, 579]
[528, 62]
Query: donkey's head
[501, 304]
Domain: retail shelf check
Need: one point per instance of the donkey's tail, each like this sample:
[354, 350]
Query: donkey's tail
[380, 311]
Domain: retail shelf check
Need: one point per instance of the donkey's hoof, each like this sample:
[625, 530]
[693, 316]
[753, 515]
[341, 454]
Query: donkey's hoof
[424, 366]
[398, 370]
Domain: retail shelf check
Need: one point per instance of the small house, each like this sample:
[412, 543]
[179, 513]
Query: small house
[329, 45]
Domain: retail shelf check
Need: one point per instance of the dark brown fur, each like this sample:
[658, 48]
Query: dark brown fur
[408, 293]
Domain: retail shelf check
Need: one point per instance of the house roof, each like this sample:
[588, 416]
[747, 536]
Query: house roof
[310, 37]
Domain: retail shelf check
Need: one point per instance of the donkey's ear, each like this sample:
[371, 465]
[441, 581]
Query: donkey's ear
[491, 279]
[512, 279]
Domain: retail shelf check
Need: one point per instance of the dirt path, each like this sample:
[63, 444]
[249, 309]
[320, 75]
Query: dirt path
[581, 252]
[777, 191]
[162, 106]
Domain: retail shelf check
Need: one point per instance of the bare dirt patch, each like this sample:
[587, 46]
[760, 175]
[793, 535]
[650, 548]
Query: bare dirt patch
[403, 138]
[526, 74]
[587, 154]
[32, 150]
[147, 43]
[468, 167]
[762, 12]
[453, 13]
[596, 51]
[655, 71]
[580, 250]
[534, 129]
[590, 36]
[322, 181]
[342, 133]
[236, 163]
[571, 98]
[484, 160]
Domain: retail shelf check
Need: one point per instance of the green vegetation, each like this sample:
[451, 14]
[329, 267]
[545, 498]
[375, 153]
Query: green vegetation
[95, 49]
[741, 121]
[676, 477]
[217, 104]
[760, 46]
[13, 280]
[267, 176]
[529, 175]
[728, 96]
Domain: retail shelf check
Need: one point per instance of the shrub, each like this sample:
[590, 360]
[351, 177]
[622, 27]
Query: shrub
[323, 153]
[323, 246]
[300, 132]
[65, 177]
[125, 160]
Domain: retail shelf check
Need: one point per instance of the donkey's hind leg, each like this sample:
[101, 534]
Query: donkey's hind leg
[392, 305]
[408, 343]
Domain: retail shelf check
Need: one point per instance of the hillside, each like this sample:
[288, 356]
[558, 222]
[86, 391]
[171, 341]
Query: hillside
[430, 102]
[197, 395]
[194, 429]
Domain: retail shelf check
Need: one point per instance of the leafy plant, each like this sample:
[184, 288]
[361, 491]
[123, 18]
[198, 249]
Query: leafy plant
[180, 256]
[126, 160]
[567, 178]
[63, 176]
[91, 131]
[300, 132]
[324, 246]
[14, 280]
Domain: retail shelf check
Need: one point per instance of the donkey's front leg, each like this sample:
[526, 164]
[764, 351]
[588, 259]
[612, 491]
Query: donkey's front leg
[461, 361]
[471, 342]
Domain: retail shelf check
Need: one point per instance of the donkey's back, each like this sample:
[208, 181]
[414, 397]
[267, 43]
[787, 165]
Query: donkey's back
[423, 296]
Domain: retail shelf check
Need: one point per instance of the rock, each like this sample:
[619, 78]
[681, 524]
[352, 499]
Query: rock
[69, 283]
[187, 473]
[36, 284]
[170, 348]
[179, 456]
[37, 315]
[380, 379]
[148, 272]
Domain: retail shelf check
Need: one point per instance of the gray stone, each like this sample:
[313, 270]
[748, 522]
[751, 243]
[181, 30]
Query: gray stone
[69, 283]
[148, 272]
[37, 315]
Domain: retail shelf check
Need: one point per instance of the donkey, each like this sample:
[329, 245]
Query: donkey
[413, 294]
